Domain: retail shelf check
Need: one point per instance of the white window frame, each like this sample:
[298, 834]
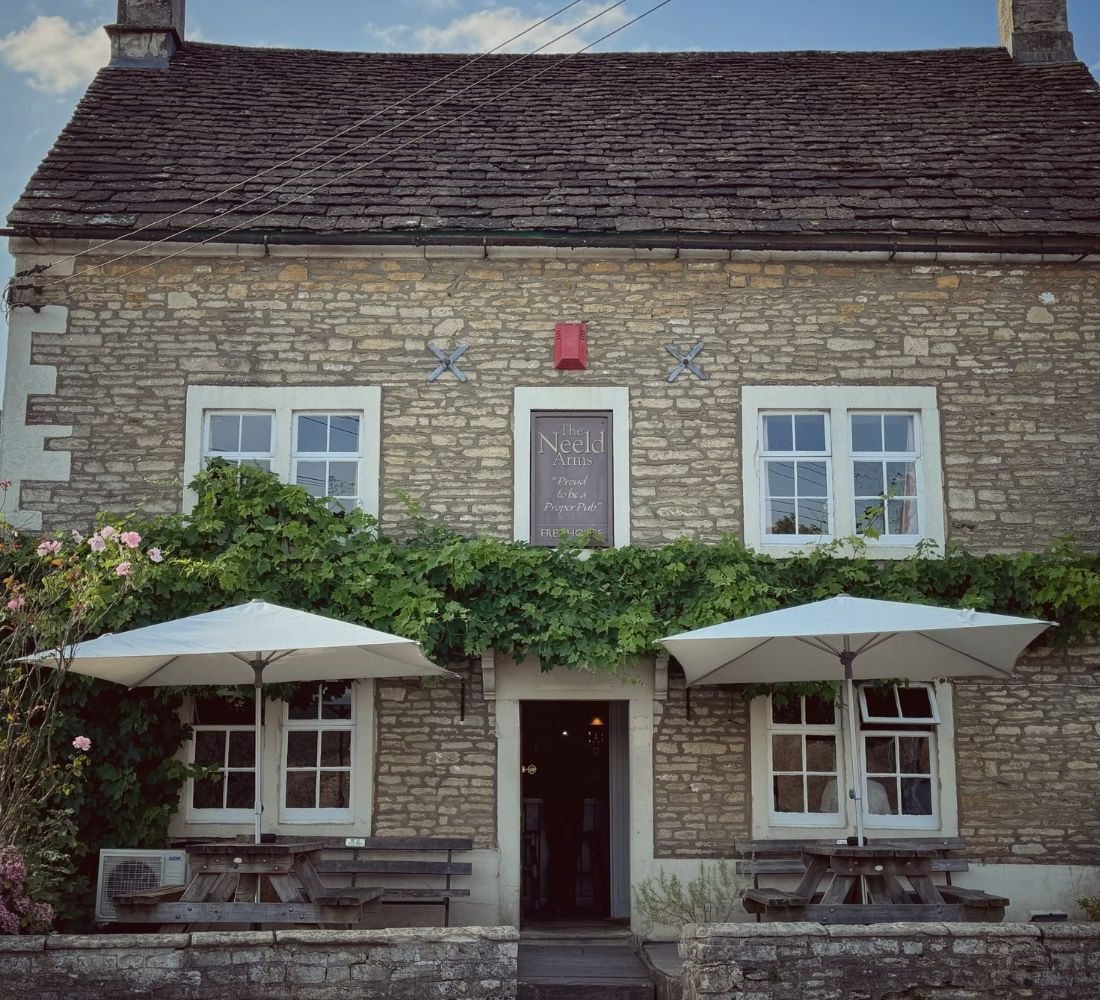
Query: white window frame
[888, 821]
[803, 729]
[944, 821]
[825, 457]
[328, 457]
[838, 402]
[283, 402]
[197, 815]
[239, 457]
[318, 725]
[529, 399]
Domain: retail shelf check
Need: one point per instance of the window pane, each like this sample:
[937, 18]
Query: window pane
[901, 479]
[787, 713]
[866, 432]
[256, 463]
[880, 702]
[336, 705]
[312, 432]
[820, 712]
[240, 790]
[225, 432]
[902, 517]
[242, 748]
[813, 517]
[778, 432]
[916, 796]
[914, 752]
[780, 479]
[210, 747]
[867, 479]
[786, 753]
[301, 748]
[301, 789]
[344, 434]
[880, 755]
[809, 432]
[781, 519]
[820, 753]
[312, 475]
[915, 702]
[821, 794]
[882, 797]
[206, 793]
[335, 790]
[811, 479]
[222, 712]
[255, 432]
[336, 749]
[788, 794]
[304, 703]
[342, 479]
[870, 516]
[898, 431]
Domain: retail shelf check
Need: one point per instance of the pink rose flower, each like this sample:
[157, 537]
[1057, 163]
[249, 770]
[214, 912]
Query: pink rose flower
[82, 743]
[49, 548]
[5, 484]
[131, 539]
[96, 543]
[16, 603]
[155, 555]
[123, 569]
[107, 531]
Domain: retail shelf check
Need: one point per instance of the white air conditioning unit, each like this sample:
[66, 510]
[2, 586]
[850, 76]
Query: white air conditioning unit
[124, 871]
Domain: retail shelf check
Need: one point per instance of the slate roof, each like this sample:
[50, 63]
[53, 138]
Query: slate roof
[960, 141]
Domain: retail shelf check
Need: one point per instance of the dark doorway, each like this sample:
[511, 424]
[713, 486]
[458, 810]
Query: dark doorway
[566, 825]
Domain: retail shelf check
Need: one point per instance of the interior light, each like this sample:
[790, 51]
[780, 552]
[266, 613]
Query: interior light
[596, 721]
[565, 732]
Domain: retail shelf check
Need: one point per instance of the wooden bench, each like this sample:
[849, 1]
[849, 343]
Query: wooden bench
[386, 863]
[784, 857]
[977, 905]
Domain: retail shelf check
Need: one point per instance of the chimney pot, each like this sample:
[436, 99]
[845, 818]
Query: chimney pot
[147, 33]
[1036, 31]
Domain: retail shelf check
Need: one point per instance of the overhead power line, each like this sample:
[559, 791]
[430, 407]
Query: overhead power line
[316, 146]
[404, 145]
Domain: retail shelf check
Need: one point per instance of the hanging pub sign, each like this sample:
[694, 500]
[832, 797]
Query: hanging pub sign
[570, 475]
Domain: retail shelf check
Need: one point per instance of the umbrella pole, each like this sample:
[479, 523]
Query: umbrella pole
[258, 667]
[846, 658]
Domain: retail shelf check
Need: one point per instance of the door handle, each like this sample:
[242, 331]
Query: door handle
[529, 769]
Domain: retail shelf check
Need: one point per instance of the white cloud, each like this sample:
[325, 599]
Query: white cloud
[54, 54]
[488, 27]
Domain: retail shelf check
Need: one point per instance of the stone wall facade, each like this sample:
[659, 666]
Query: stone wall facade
[470, 962]
[435, 772]
[701, 773]
[1011, 348]
[891, 961]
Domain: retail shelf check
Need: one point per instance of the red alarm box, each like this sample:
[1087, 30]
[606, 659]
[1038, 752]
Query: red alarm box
[571, 345]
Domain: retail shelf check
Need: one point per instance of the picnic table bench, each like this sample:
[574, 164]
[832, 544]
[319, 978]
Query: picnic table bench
[399, 867]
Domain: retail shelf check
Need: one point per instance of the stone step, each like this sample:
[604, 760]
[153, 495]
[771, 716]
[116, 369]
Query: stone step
[581, 969]
[560, 989]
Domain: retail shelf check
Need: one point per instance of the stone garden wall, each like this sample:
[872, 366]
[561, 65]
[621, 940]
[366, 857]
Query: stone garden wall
[475, 963]
[891, 962]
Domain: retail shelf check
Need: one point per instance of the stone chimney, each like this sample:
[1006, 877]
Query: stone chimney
[148, 32]
[1036, 31]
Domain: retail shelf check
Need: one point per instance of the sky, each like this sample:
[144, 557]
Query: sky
[50, 49]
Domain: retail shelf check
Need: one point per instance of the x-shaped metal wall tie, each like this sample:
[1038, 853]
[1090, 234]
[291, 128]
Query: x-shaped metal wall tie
[448, 362]
[686, 361]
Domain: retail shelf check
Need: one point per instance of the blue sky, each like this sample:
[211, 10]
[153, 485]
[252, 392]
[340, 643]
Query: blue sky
[49, 49]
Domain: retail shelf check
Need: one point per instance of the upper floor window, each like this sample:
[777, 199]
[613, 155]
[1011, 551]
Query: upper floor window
[821, 463]
[323, 438]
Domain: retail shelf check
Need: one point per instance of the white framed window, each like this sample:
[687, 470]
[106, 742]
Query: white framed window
[804, 761]
[325, 438]
[317, 755]
[543, 400]
[801, 763]
[827, 462]
[223, 741]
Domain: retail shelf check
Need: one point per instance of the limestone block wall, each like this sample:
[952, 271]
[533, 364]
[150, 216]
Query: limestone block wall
[700, 773]
[1012, 349]
[435, 772]
[931, 961]
[470, 962]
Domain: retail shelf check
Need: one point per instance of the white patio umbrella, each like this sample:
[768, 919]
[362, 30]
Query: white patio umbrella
[253, 643]
[852, 638]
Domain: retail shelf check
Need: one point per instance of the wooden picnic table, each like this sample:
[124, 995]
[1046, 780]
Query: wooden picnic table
[235, 883]
[845, 884]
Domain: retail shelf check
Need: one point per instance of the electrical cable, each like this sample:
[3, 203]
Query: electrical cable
[477, 107]
[316, 146]
[172, 237]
